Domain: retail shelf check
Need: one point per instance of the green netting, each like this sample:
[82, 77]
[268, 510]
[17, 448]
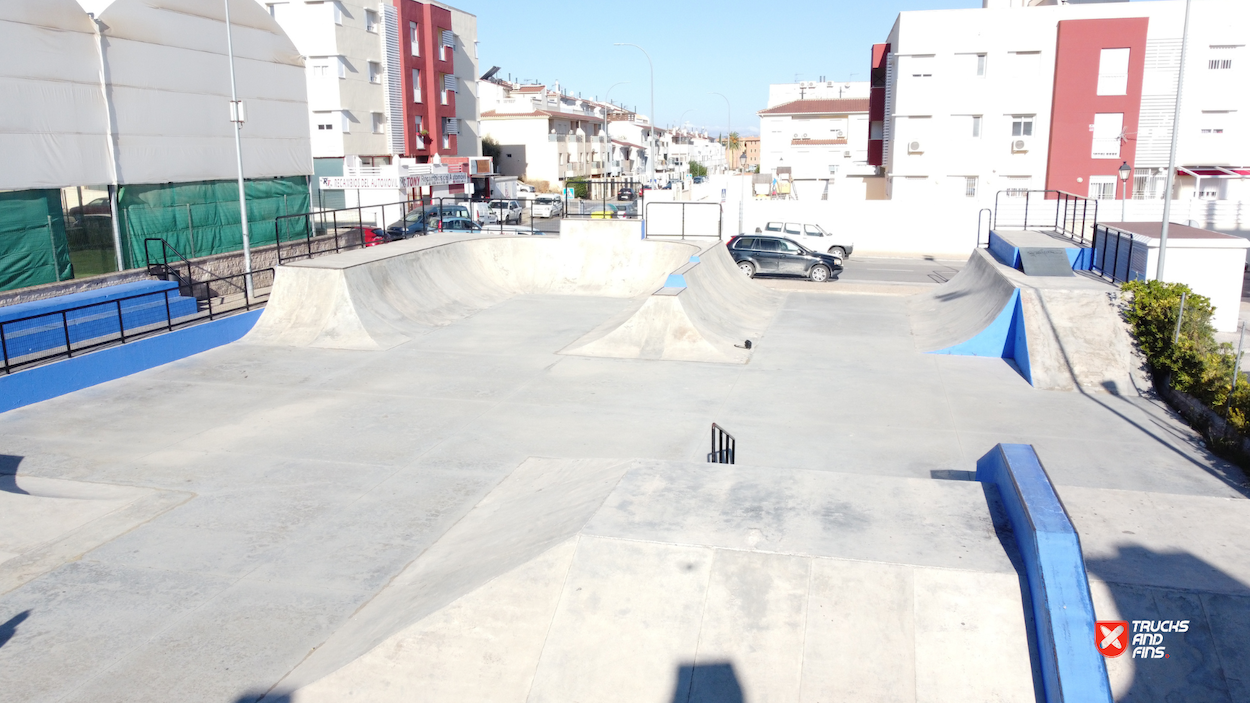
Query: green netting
[33, 248]
[200, 219]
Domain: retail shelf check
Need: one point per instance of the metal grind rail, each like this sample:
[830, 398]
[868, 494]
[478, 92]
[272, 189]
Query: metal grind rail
[723, 446]
[67, 333]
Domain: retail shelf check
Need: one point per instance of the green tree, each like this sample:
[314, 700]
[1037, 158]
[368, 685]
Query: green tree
[491, 148]
[697, 169]
[734, 142]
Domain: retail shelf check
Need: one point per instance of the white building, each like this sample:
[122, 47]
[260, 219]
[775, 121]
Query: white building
[823, 141]
[970, 102]
[779, 93]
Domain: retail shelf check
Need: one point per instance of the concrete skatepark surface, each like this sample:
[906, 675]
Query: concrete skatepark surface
[467, 514]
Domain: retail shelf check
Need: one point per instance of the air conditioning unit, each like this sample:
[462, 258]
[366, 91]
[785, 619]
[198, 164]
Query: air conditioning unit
[915, 147]
[1019, 144]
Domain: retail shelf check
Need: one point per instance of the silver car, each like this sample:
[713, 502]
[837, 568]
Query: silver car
[548, 206]
[813, 237]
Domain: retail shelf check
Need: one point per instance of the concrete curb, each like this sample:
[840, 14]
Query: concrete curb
[1063, 611]
[45, 382]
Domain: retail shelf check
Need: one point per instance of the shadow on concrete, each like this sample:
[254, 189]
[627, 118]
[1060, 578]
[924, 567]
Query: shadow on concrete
[1205, 663]
[8, 629]
[952, 475]
[8, 474]
[259, 696]
[1007, 540]
[714, 682]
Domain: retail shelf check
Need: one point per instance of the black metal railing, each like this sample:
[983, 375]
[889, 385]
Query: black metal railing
[1072, 216]
[312, 234]
[987, 215]
[37, 339]
[723, 446]
[1118, 256]
[602, 198]
[684, 220]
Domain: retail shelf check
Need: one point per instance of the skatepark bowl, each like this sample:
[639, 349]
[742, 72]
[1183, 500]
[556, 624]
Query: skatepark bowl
[474, 468]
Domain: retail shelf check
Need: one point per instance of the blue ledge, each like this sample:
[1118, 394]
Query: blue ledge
[675, 280]
[44, 382]
[1004, 338]
[1072, 668]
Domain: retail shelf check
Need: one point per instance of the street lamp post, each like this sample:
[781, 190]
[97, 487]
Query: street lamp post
[651, 118]
[728, 125]
[1176, 128]
[1125, 170]
[742, 163]
[237, 117]
[606, 129]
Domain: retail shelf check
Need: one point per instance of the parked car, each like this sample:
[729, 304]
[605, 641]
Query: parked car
[99, 206]
[548, 206]
[421, 220]
[525, 190]
[367, 236]
[699, 179]
[506, 211]
[464, 225]
[626, 194]
[780, 256]
[813, 237]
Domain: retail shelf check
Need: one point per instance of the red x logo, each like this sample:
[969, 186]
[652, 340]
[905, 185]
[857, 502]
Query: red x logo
[1111, 636]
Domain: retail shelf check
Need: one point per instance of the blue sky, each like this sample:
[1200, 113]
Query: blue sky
[735, 48]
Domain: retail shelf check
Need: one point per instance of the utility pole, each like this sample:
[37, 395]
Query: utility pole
[237, 116]
[1176, 130]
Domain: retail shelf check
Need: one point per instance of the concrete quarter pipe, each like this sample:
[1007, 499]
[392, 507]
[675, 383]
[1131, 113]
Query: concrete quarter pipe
[377, 298]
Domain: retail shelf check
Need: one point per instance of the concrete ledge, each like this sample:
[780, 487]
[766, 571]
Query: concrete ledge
[1072, 668]
[44, 382]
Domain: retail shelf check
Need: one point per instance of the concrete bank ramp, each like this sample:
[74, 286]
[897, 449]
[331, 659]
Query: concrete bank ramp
[705, 312]
[379, 297]
[1061, 333]
[699, 582]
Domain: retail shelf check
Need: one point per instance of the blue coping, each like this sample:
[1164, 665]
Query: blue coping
[1072, 668]
[44, 382]
[694, 259]
[49, 331]
[675, 280]
[1004, 338]
[1079, 257]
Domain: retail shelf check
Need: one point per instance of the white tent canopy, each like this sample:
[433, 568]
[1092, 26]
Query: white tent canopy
[157, 72]
[54, 123]
[169, 89]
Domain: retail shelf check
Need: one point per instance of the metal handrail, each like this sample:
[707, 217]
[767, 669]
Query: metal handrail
[70, 349]
[1062, 224]
[724, 446]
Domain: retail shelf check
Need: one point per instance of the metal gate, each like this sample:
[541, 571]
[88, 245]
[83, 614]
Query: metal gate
[673, 220]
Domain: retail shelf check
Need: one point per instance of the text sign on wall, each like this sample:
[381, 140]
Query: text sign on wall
[392, 182]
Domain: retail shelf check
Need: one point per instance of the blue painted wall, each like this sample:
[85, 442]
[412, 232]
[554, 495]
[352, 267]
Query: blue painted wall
[61, 377]
[1004, 338]
[1073, 670]
[1079, 257]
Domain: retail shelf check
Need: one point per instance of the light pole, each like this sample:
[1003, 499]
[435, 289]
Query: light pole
[237, 117]
[651, 118]
[742, 163]
[1124, 174]
[606, 129]
[728, 125]
[1176, 128]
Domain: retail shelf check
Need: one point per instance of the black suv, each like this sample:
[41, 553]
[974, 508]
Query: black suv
[780, 256]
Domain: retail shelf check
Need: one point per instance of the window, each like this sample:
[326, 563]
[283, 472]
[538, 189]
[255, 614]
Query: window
[442, 94]
[346, 118]
[379, 123]
[337, 11]
[448, 42]
[416, 85]
[1213, 122]
[371, 21]
[1102, 187]
[976, 126]
[970, 186]
[1113, 72]
[1017, 186]
[813, 231]
[412, 38]
[1221, 57]
[918, 66]
[1025, 64]
[1021, 125]
[417, 125]
[446, 141]
[375, 72]
[980, 65]
[1108, 128]
[792, 228]
[320, 70]
[1220, 64]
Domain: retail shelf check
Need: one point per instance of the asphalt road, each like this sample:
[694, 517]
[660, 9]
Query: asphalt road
[933, 271]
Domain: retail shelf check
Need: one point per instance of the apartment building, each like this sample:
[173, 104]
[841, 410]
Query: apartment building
[387, 80]
[546, 134]
[822, 140]
[748, 145]
[966, 103]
